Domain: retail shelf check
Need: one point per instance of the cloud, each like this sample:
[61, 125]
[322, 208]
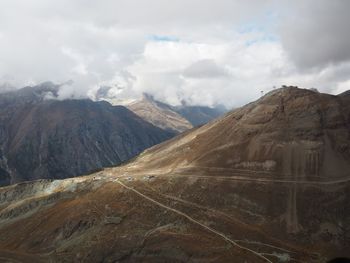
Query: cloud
[206, 68]
[202, 51]
[316, 35]
[172, 71]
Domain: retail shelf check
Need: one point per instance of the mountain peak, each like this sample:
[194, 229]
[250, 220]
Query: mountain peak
[46, 87]
[289, 91]
[148, 97]
[289, 127]
[159, 114]
[66, 138]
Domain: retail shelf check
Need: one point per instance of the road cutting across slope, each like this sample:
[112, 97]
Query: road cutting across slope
[223, 236]
[288, 179]
[250, 179]
[220, 214]
[265, 180]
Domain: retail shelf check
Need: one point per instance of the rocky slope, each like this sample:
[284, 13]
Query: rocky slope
[268, 182]
[159, 114]
[175, 119]
[45, 138]
[289, 132]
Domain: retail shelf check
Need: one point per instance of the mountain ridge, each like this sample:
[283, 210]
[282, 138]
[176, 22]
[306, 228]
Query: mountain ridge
[176, 119]
[259, 117]
[159, 114]
[43, 138]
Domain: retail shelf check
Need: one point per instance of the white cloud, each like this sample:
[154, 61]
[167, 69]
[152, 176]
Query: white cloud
[203, 51]
[343, 86]
[205, 68]
[174, 70]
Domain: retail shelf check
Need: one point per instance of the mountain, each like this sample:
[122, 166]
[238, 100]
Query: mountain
[6, 87]
[290, 131]
[49, 138]
[268, 182]
[159, 114]
[199, 115]
[175, 119]
[345, 93]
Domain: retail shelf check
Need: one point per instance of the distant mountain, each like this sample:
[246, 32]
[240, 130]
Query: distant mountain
[199, 115]
[345, 93]
[47, 138]
[176, 119]
[159, 114]
[6, 87]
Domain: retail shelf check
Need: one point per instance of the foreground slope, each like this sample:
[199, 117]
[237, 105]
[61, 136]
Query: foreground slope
[48, 138]
[289, 132]
[265, 183]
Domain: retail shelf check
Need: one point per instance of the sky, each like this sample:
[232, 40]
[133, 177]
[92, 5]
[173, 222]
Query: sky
[203, 52]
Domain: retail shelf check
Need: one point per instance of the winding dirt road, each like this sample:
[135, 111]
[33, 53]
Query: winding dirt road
[223, 236]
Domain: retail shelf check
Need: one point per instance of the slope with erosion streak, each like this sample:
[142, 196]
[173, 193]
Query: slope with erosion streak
[291, 131]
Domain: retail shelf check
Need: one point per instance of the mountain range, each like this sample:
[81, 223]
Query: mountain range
[267, 182]
[42, 137]
[175, 119]
[159, 114]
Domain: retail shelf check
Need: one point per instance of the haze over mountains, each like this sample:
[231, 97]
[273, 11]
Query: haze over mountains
[268, 182]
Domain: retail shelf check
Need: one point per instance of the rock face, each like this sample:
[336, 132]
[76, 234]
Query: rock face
[286, 155]
[43, 138]
[268, 182]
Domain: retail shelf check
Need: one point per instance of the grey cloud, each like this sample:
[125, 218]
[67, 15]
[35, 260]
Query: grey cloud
[316, 34]
[109, 43]
[133, 13]
[93, 41]
[206, 68]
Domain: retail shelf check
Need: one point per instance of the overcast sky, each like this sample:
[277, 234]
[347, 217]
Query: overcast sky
[201, 51]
